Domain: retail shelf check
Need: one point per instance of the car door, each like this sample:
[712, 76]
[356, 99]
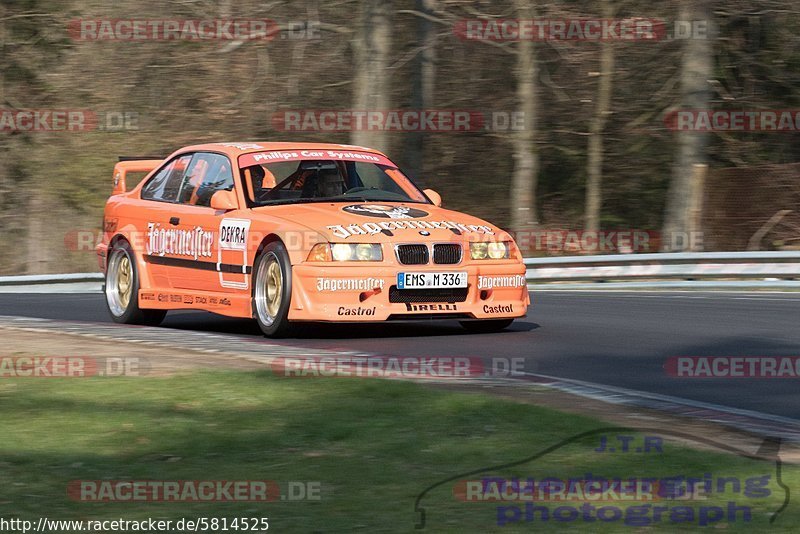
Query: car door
[155, 212]
[220, 264]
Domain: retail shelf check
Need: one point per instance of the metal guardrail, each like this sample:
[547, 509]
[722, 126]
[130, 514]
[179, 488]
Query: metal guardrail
[784, 265]
[640, 269]
[50, 279]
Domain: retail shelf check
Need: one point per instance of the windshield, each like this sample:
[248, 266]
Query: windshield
[327, 180]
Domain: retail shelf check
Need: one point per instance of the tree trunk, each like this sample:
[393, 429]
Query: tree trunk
[2, 55]
[697, 69]
[602, 110]
[372, 46]
[37, 239]
[526, 155]
[422, 86]
[695, 208]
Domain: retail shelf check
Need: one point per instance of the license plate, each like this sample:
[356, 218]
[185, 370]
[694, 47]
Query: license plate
[431, 280]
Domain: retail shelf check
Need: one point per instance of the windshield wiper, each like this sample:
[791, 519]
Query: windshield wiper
[310, 201]
[285, 201]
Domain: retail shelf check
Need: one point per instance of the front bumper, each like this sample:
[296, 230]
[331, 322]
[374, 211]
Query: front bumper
[360, 293]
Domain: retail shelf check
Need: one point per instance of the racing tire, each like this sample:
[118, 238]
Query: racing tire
[487, 326]
[122, 289]
[272, 290]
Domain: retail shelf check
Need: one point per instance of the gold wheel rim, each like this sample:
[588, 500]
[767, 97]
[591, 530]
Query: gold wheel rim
[274, 288]
[124, 285]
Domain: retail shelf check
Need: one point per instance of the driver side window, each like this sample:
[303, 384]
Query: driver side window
[207, 174]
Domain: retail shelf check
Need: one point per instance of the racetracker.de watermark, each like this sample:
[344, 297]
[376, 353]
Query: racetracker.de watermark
[617, 241]
[578, 29]
[140, 30]
[733, 366]
[495, 489]
[191, 491]
[396, 120]
[160, 241]
[66, 120]
[71, 366]
[406, 367]
[742, 120]
[632, 29]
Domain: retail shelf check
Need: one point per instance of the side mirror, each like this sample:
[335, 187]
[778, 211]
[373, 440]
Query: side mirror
[224, 200]
[435, 197]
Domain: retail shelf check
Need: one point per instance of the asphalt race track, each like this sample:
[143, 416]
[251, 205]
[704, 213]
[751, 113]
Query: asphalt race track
[619, 339]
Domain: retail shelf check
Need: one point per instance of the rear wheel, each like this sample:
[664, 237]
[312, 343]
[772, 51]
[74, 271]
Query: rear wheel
[487, 326]
[122, 289]
[272, 290]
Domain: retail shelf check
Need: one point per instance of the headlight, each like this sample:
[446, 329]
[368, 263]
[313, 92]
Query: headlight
[346, 252]
[479, 251]
[365, 252]
[342, 252]
[495, 250]
[498, 251]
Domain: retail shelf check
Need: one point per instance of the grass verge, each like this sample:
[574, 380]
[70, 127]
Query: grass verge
[372, 446]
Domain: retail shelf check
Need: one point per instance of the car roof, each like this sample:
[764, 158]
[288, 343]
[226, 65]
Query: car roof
[235, 149]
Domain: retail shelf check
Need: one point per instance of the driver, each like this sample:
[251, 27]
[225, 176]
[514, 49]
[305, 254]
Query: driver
[261, 179]
[257, 175]
[329, 183]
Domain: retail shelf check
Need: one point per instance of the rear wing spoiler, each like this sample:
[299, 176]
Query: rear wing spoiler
[132, 164]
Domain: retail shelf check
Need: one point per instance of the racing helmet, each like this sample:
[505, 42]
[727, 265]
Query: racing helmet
[257, 175]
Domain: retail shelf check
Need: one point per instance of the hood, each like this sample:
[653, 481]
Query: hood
[381, 222]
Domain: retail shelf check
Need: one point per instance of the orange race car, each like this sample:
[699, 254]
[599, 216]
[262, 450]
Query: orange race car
[288, 232]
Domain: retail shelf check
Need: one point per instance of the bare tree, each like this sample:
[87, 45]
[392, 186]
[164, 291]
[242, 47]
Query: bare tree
[696, 71]
[423, 82]
[372, 47]
[526, 155]
[602, 110]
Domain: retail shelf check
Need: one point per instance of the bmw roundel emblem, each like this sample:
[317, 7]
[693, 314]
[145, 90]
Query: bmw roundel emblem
[424, 232]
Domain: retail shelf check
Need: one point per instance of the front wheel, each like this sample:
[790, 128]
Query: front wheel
[487, 326]
[272, 290]
[122, 289]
